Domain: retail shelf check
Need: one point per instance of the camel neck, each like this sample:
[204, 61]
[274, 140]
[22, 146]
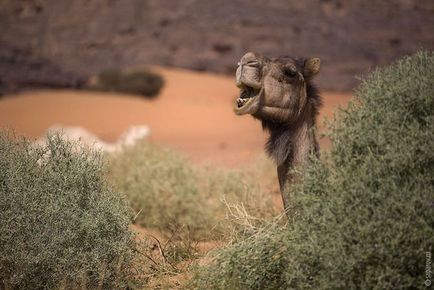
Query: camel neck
[292, 143]
[303, 142]
[296, 143]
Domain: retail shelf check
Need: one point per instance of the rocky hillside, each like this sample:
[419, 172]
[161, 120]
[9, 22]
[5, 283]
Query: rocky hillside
[61, 42]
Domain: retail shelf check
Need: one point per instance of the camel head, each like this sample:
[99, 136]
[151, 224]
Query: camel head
[274, 89]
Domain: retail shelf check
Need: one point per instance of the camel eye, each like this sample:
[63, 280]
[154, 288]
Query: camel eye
[290, 72]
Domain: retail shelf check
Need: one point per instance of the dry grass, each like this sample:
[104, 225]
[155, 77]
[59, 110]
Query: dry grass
[168, 193]
[183, 211]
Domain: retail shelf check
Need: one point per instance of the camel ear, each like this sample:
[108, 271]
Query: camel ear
[311, 67]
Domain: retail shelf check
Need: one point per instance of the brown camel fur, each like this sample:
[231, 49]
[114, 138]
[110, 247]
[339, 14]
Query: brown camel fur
[279, 92]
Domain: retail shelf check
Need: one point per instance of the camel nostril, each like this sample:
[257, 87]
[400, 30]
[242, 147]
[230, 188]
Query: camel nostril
[253, 63]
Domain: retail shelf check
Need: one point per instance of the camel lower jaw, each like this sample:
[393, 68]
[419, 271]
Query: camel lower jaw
[244, 109]
[247, 97]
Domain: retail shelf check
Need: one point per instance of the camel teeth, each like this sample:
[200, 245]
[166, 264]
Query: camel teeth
[241, 101]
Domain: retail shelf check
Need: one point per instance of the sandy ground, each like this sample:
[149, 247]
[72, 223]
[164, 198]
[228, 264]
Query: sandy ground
[193, 114]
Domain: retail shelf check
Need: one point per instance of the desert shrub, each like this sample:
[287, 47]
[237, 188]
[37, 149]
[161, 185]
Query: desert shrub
[142, 83]
[364, 216]
[61, 225]
[170, 194]
[160, 185]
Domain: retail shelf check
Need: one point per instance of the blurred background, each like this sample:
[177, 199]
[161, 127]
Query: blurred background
[181, 56]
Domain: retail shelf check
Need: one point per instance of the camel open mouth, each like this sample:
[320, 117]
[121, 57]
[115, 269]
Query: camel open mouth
[246, 96]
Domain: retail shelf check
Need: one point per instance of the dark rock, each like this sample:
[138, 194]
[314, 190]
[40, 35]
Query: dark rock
[58, 42]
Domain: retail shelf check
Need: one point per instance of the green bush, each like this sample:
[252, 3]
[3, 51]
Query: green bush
[170, 194]
[61, 225]
[160, 185]
[364, 216]
[142, 83]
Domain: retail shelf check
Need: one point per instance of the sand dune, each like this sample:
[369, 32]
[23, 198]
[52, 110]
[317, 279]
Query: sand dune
[193, 114]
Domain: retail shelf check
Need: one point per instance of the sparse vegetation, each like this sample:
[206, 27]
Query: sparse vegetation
[171, 195]
[143, 83]
[61, 225]
[184, 207]
[364, 217]
[65, 227]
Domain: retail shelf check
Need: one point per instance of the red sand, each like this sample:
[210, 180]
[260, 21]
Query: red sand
[193, 114]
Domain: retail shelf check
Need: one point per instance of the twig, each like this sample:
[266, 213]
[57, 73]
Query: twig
[147, 256]
[162, 252]
[134, 219]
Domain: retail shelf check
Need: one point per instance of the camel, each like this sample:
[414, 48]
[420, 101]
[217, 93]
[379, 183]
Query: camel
[279, 92]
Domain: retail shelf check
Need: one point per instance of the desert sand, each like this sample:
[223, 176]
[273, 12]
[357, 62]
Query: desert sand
[193, 114]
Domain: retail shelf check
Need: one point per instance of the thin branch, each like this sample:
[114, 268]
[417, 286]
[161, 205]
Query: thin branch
[165, 260]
